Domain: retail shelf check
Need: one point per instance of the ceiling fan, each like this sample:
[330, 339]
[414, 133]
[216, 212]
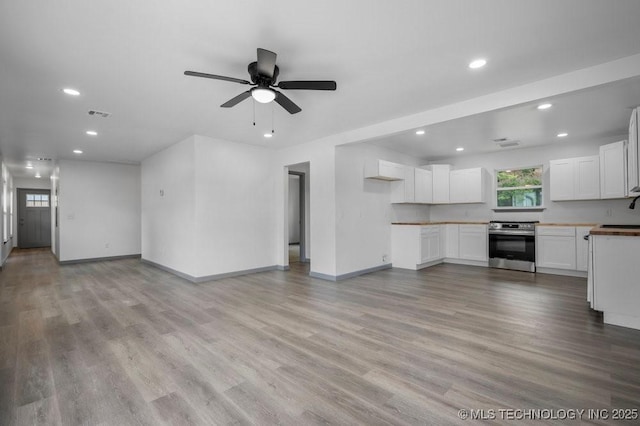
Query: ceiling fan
[264, 74]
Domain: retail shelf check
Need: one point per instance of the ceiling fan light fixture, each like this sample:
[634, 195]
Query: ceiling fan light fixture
[263, 95]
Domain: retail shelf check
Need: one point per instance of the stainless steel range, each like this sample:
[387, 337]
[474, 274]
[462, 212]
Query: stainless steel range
[512, 245]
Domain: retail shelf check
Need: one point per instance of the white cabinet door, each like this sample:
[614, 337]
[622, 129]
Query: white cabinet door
[473, 242]
[575, 178]
[423, 186]
[613, 170]
[384, 170]
[561, 177]
[582, 248]
[587, 178]
[440, 183]
[452, 244]
[430, 243]
[403, 191]
[466, 186]
[457, 186]
[476, 185]
[556, 247]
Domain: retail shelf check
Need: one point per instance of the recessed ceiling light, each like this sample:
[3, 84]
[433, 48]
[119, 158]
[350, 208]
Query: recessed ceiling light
[460, 149]
[419, 132]
[77, 151]
[477, 63]
[28, 166]
[268, 135]
[38, 176]
[92, 133]
[563, 135]
[70, 91]
[544, 106]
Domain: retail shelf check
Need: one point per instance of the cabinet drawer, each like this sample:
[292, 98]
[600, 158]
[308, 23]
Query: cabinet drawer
[560, 231]
[429, 230]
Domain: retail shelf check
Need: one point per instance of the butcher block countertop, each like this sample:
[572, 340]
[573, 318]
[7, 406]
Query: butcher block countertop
[439, 223]
[567, 224]
[625, 232]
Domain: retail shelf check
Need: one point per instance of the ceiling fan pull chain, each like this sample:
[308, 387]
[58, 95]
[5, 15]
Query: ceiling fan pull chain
[272, 126]
[254, 113]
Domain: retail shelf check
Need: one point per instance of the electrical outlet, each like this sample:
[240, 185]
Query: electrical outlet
[384, 257]
[609, 213]
[106, 245]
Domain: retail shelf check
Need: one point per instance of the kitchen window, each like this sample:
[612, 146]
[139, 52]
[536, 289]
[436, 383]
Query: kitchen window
[519, 188]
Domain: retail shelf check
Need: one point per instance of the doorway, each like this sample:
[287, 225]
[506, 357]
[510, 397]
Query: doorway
[297, 222]
[34, 218]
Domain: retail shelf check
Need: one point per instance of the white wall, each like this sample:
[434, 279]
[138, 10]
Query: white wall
[168, 207]
[234, 212]
[294, 209]
[364, 210]
[207, 208]
[322, 218]
[555, 211]
[99, 208]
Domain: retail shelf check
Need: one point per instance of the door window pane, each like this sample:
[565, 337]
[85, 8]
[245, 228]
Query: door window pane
[37, 200]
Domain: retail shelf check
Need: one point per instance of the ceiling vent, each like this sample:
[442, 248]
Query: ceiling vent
[101, 114]
[506, 143]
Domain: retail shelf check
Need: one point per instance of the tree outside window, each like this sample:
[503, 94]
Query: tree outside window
[519, 188]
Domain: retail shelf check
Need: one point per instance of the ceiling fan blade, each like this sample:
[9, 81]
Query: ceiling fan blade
[235, 101]
[287, 103]
[308, 85]
[215, 77]
[266, 62]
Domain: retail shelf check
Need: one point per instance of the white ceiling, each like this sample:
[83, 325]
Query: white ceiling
[597, 113]
[390, 59]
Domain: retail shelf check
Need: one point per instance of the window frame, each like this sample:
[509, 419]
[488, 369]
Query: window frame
[496, 189]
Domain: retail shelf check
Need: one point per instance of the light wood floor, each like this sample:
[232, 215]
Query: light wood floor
[122, 343]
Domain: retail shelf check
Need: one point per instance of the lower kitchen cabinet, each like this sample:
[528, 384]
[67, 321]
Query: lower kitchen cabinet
[472, 242]
[415, 247]
[616, 269]
[556, 247]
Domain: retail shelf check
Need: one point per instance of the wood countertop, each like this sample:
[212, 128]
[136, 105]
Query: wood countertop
[567, 224]
[439, 223]
[625, 232]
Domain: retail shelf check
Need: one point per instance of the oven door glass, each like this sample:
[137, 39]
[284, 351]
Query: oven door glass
[512, 247]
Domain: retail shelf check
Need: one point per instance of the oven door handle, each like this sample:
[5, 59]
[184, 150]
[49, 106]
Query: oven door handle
[517, 233]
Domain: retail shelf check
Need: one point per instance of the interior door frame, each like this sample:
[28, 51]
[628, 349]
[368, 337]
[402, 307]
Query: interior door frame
[19, 192]
[301, 201]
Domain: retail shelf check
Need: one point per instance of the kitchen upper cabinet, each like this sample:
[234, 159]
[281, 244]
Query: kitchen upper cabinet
[440, 175]
[633, 155]
[403, 191]
[575, 178]
[383, 170]
[472, 242]
[613, 170]
[556, 247]
[423, 186]
[467, 186]
[416, 187]
[582, 248]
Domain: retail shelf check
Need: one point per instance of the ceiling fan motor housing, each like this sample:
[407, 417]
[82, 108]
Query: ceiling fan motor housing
[262, 80]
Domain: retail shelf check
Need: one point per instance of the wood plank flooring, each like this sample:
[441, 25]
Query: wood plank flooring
[124, 343]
